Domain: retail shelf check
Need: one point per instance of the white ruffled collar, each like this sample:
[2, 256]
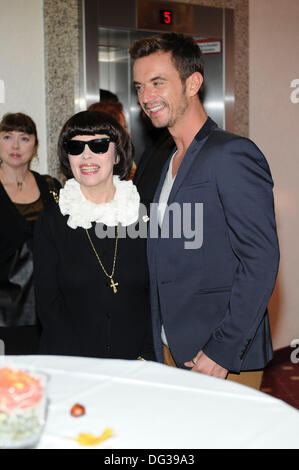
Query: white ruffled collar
[123, 208]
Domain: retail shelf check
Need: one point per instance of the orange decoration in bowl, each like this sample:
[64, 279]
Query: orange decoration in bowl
[23, 405]
[18, 389]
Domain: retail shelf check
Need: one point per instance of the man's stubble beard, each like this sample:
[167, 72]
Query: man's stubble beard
[173, 120]
[174, 117]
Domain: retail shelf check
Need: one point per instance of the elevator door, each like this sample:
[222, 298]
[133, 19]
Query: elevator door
[110, 28]
[115, 75]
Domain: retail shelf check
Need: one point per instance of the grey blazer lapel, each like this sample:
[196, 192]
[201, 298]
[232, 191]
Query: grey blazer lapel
[193, 152]
[162, 178]
[191, 155]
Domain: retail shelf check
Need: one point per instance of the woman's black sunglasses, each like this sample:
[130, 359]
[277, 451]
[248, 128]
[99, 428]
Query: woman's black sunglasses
[76, 147]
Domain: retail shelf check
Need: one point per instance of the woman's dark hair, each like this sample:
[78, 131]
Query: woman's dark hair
[18, 122]
[185, 53]
[92, 123]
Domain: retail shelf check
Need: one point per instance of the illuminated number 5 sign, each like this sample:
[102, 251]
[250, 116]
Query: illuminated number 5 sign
[166, 16]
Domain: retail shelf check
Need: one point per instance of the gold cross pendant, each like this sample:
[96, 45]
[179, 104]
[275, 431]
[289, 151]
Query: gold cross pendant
[113, 285]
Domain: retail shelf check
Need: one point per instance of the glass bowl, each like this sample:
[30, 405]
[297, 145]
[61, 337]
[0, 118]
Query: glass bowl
[23, 407]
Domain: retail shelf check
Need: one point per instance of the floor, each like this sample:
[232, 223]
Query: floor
[281, 376]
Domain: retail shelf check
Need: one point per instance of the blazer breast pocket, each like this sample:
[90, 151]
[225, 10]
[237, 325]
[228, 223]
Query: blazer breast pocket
[204, 192]
[197, 185]
[214, 290]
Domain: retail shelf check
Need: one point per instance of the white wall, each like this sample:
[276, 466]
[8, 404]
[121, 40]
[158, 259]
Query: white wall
[22, 66]
[274, 126]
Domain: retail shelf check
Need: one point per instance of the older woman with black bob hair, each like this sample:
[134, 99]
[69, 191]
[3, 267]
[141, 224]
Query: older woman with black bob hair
[91, 280]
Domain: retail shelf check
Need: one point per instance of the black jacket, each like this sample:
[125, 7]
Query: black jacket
[18, 322]
[149, 169]
[79, 312]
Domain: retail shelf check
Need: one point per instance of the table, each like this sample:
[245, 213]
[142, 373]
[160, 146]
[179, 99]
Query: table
[153, 406]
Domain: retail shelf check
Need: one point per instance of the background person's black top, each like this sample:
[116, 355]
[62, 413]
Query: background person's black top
[19, 327]
[149, 169]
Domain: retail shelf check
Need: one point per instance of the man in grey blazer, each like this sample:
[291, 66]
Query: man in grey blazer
[209, 295]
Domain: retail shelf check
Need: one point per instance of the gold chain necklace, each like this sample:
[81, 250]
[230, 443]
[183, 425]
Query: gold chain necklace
[113, 284]
[19, 184]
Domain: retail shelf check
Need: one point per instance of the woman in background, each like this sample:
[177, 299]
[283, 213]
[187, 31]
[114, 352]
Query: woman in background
[114, 108]
[91, 281]
[23, 196]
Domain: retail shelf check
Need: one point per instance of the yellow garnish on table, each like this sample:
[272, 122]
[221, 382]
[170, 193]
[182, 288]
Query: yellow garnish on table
[90, 440]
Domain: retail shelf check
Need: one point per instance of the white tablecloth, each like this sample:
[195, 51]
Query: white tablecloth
[152, 406]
